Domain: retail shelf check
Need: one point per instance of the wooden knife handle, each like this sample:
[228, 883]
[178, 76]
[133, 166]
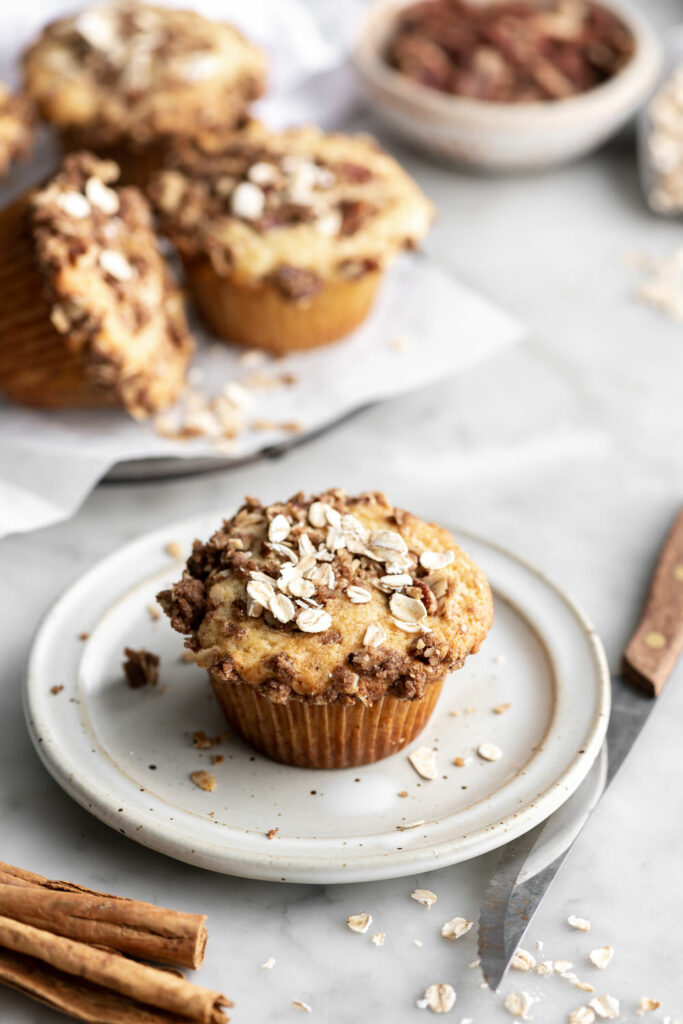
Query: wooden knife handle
[653, 651]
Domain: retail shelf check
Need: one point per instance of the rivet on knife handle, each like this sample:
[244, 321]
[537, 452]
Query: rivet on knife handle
[657, 643]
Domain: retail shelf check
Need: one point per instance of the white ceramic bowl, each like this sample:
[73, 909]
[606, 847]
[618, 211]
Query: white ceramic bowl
[505, 136]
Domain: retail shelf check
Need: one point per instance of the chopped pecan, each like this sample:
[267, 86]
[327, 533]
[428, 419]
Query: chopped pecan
[141, 668]
[296, 283]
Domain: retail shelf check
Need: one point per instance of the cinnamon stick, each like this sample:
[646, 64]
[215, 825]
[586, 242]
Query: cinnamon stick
[95, 985]
[129, 926]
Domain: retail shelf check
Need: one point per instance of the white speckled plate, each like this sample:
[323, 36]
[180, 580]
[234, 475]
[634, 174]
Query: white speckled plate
[127, 755]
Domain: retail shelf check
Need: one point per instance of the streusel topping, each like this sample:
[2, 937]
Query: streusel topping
[328, 598]
[131, 69]
[17, 127]
[111, 294]
[297, 207]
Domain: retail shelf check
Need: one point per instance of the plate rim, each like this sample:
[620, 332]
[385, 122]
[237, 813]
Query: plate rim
[174, 842]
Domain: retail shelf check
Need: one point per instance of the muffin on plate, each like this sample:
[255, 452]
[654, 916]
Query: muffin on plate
[285, 237]
[128, 80]
[17, 127]
[89, 313]
[328, 624]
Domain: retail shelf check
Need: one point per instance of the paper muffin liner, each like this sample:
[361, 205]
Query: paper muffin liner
[328, 735]
[36, 366]
[259, 316]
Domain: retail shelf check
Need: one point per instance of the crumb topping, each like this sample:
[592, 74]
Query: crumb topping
[141, 668]
[293, 208]
[133, 70]
[272, 600]
[111, 294]
[17, 127]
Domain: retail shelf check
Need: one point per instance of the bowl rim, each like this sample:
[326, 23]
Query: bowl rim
[639, 72]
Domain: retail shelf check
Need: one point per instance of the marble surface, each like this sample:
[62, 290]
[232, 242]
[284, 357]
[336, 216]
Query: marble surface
[568, 450]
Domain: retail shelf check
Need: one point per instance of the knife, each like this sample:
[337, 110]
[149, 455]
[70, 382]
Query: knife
[513, 897]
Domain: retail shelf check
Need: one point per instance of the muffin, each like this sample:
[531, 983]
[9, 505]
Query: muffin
[129, 80]
[285, 237]
[328, 624]
[17, 127]
[89, 313]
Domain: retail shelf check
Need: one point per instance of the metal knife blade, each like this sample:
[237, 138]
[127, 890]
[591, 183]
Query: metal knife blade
[513, 897]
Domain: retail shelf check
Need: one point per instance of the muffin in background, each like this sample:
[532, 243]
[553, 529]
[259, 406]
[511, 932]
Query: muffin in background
[17, 127]
[329, 623]
[89, 312]
[285, 237]
[128, 80]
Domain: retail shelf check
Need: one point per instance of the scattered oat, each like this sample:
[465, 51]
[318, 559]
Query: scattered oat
[539, 944]
[153, 612]
[271, 833]
[378, 938]
[359, 922]
[438, 998]
[358, 595]
[268, 964]
[204, 780]
[299, 1004]
[518, 1004]
[562, 966]
[499, 659]
[606, 1007]
[418, 943]
[601, 957]
[647, 1005]
[584, 986]
[544, 968]
[500, 709]
[489, 751]
[424, 896]
[412, 824]
[433, 561]
[582, 1015]
[175, 549]
[456, 928]
[423, 760]
[279, 529]
[523, 960]
[580, 923]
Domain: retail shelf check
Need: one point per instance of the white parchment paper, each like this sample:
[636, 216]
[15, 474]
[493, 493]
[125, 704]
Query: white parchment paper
[49, 461]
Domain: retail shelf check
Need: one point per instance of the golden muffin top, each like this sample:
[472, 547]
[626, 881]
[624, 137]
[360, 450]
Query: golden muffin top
[111, 294]
[330, 598]
[321, 204]
[133, 70]
[17, 127]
